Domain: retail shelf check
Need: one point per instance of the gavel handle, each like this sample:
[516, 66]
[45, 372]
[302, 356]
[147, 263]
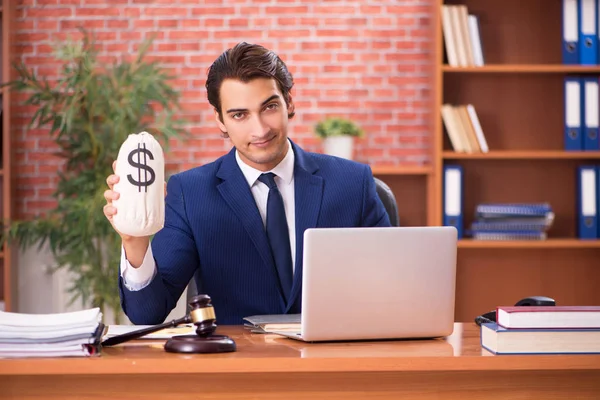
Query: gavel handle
[141, 332]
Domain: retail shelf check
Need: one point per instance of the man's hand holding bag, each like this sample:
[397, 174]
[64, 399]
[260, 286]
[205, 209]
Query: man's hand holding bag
[136, 196]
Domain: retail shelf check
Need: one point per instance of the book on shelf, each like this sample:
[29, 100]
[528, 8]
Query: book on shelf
[509, 235]
[511, 221]
[512, 210]
[555, 317]
[499, 340]
[70, 334]
[464, 129]
[462, 39]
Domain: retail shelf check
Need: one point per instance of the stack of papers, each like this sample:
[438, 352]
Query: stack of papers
[72, 334]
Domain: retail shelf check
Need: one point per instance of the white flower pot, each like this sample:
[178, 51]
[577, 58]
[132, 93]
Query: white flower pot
[340, 146]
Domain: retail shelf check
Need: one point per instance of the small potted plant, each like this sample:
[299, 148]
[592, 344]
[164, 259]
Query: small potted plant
[338, 136]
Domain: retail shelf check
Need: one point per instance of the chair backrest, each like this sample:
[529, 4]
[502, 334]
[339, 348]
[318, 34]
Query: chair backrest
[389, 201]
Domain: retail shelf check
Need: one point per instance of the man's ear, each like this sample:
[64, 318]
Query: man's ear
[222, 127]
[291, 108]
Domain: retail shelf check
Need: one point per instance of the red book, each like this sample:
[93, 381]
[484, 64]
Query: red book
[549, 317]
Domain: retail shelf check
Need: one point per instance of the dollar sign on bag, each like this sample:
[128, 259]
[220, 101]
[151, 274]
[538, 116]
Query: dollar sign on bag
[141, 165]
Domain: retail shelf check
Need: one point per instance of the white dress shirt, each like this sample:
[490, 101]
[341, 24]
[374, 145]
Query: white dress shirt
[138, 278]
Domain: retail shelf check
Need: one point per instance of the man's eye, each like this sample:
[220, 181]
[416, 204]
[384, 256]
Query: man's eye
[237, 115]
[272, 106]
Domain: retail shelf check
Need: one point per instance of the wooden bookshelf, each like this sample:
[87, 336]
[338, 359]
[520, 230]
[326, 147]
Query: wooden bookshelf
[7, 276]
[525, 68]
[524, 155]
[519, 99]
[555, 243]
[401, 170]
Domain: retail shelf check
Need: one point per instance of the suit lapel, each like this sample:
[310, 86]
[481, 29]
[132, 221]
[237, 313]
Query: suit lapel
[235, 191]
[308, 192]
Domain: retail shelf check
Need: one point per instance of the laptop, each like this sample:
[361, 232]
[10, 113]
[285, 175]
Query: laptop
[377, 283]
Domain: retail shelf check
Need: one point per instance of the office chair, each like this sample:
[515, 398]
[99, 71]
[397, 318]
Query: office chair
[387, 198]
[389, 201]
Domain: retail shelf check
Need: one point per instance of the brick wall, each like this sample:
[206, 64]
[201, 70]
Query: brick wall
[369, 60]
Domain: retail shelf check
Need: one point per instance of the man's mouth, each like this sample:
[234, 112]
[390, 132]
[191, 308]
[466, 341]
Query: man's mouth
[264, 143]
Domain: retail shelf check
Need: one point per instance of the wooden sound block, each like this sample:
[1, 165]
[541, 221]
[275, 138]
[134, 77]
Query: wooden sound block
[197, 344]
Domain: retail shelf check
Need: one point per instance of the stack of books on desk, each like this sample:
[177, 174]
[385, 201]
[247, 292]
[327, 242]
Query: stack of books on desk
[72, 334]
[543, 330]
[512, 221]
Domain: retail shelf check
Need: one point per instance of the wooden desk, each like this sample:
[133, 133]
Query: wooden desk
[271, 367]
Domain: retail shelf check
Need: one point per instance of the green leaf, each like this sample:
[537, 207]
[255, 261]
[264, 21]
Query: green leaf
[335, 126]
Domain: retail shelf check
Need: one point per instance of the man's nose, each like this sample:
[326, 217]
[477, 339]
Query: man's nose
[259, 127]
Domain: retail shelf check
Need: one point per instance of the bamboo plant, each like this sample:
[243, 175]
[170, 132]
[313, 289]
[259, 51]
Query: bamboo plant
[89, 111]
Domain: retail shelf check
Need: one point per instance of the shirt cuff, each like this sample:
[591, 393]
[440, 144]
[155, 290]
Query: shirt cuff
[138, 278]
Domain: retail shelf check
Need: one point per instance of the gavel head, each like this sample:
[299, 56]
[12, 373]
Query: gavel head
[202, 315]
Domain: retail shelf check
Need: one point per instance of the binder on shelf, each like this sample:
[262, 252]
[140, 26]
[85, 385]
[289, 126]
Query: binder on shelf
[591, 113]
[588, 36]
[453, 197]
[587, 201]
[570, 32]
[573, 113]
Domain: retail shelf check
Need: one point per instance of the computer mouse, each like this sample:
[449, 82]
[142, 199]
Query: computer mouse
[527, 301]
[536, 301]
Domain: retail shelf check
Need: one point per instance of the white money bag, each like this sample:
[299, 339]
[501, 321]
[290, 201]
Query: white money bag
[141, 170]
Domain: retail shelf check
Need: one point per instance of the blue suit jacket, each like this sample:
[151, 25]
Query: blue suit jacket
[212, 224]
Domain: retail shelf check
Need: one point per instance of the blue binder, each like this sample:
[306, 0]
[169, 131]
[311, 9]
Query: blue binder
[587, 202]
[588, 35]
[570, 32]
[591, 114]
[573, 113]
[453, 197]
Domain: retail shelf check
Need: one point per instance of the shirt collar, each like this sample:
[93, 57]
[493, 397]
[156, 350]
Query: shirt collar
[284, 170]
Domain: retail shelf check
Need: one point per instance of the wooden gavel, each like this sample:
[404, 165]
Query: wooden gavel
[202, 315]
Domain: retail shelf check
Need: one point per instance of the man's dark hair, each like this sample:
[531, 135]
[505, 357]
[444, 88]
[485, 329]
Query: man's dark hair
[245, 62]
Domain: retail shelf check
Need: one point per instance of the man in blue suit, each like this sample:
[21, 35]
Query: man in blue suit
[239, 221]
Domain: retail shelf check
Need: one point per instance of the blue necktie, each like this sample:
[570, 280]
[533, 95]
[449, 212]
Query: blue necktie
[278, 235]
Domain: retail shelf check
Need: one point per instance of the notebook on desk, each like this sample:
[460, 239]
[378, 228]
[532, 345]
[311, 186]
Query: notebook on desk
[276, 322]
[373, 283]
